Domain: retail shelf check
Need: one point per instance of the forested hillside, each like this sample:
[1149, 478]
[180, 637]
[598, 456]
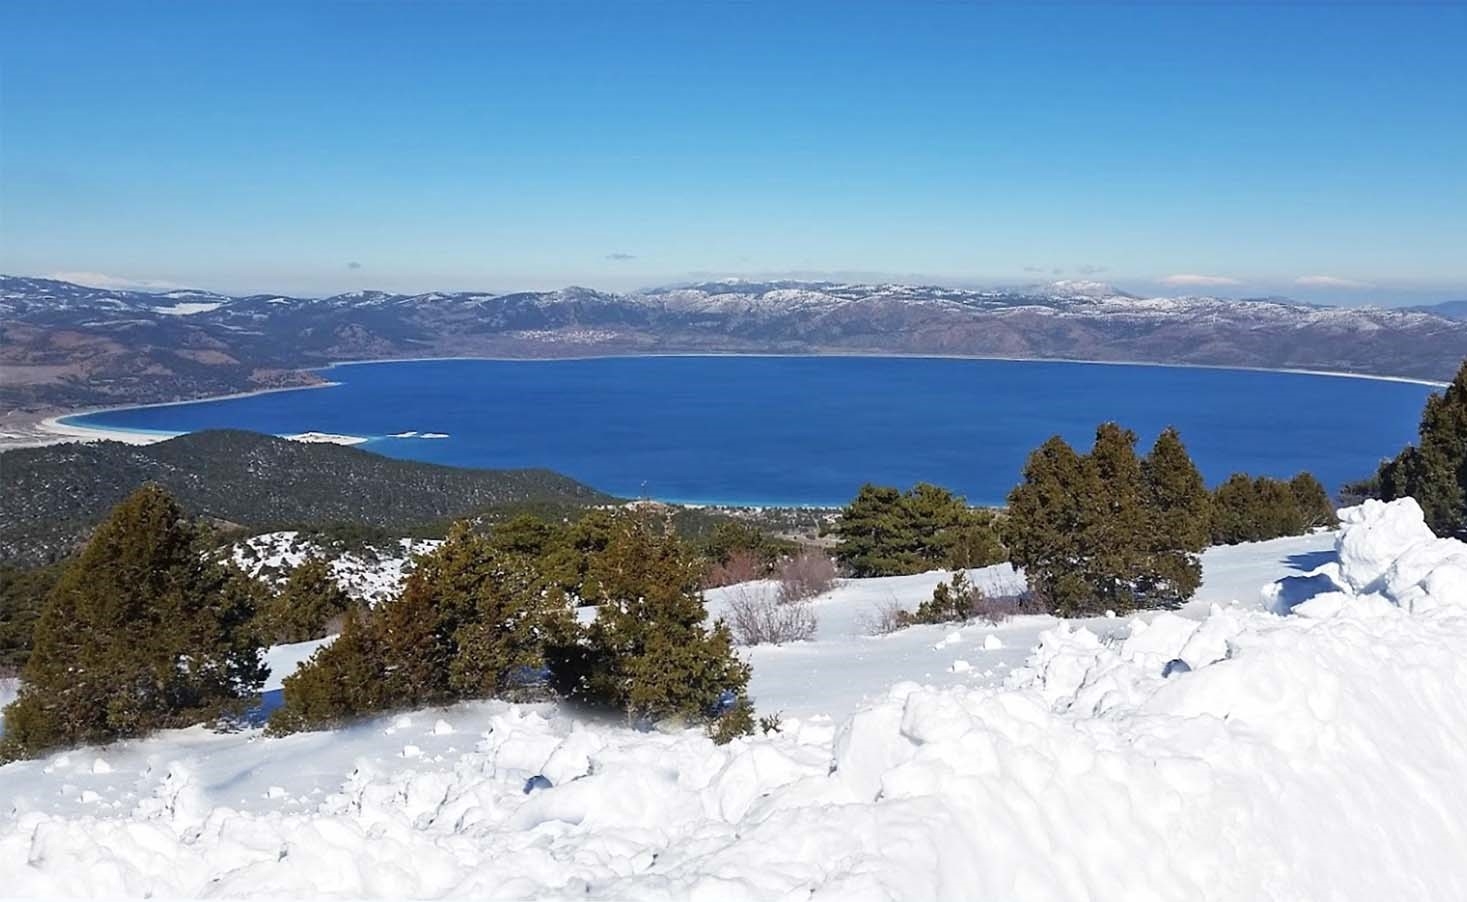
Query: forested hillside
[54, 495]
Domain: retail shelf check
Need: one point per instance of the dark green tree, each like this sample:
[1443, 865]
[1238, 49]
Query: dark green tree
[874, 534]
[885, 532]
[23, 592]
[144, 631]
[1180, 509]
[528, 535]
[1107, 531]
[933, 518]
[1050, 525]
[519, 618]
[975, 542]
[1255, 510]
[1235, 515]
[1117, 529]
[566, 561]
[471, 616]
[952, 602]
[1434, 471]
[730, 537]
[1276, 510]
[648, 653]
[1315, 507]
[307, 605]
[340, 682]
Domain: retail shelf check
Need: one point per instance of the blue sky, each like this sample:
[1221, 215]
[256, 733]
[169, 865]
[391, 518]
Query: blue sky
[1204, 147]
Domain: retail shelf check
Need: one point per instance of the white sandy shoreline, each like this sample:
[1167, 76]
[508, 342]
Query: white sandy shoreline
[67, 432]
[53, 431]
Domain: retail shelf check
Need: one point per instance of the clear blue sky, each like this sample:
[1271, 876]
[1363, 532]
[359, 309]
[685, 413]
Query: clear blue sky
[409, 146]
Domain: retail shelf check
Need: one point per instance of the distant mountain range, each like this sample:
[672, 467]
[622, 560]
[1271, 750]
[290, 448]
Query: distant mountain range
[66, 346]
[55, 495]
[1449, 309]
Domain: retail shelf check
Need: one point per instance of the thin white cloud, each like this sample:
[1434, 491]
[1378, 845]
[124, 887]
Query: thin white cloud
[1330, 282]
[121, 283]
[1192, 280]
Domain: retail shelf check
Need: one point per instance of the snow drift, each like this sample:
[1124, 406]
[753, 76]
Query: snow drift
[1316, 755]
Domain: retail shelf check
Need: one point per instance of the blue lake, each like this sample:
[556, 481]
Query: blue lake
[811, 430]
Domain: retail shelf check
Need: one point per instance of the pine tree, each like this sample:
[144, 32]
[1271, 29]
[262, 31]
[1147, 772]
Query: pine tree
[932, 517]
[1315, 508]
[1117, 531]
[1235, 511]
[518, 618]
[340, 682]
[1397, 476]
[885, 532]
[566, 559]
[875, 536]
[1441, 481]
[308, 603]
[1434, 471]
[952, 602]
[142, 632]
[23, 593]
[1277, 510]
[974, 542]
[648, 653]
[1050, 524]
[471, 618]
[1180, 509]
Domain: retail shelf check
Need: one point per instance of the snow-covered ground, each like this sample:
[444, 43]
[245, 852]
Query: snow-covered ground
[1318, 754]
[846, 665]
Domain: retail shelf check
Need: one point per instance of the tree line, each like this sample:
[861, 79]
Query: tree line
[149, 628]
[1104, 530]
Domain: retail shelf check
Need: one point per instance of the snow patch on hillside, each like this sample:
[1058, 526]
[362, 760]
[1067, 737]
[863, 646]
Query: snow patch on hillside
[371, 575]
[189, 308]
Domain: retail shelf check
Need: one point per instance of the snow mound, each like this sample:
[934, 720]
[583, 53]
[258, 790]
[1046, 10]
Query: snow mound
[1386, 553]
[1317, 756]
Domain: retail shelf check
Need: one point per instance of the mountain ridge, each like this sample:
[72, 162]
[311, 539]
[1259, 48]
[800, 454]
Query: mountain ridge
[68, 346]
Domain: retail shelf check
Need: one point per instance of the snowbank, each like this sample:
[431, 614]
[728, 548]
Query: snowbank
[1385, 553]
[1315, 756]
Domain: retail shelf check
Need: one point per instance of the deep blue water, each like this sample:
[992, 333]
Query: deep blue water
[810, 430]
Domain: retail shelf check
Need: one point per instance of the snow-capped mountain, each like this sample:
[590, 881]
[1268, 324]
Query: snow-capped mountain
[71, 345]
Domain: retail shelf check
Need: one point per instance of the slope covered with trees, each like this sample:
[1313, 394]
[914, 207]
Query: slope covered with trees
[486, 616]
[54, 495]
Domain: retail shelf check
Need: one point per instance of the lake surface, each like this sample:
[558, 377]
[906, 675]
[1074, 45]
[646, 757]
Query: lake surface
[811, 430]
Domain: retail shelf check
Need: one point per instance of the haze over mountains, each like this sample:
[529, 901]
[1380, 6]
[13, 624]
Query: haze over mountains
[67, 345]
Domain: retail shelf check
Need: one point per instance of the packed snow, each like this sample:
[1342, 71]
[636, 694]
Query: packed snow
[1223, 751]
